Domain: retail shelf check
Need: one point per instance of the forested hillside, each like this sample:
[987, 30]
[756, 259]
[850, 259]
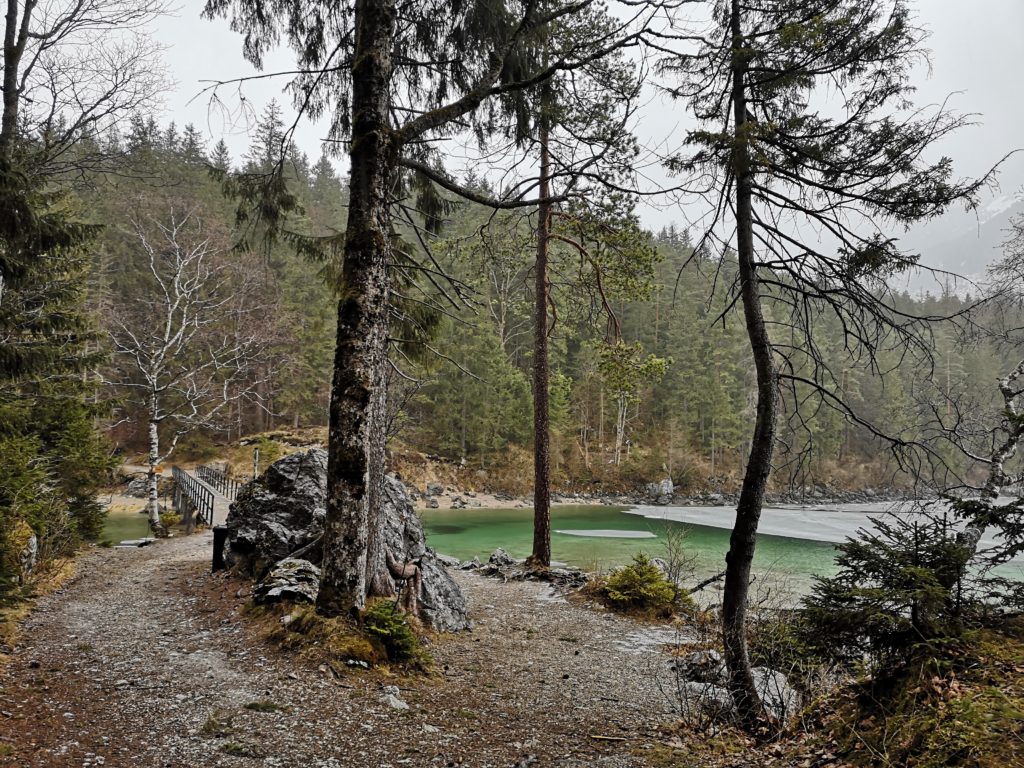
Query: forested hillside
[644, 355]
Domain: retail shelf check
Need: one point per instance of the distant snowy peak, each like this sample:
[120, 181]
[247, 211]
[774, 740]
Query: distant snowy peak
[981, 242]
[1000, 205]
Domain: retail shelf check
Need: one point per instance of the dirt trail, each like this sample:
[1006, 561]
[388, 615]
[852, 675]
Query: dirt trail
[143, 660]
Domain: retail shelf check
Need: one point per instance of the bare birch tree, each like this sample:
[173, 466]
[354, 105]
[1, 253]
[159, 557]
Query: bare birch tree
[995, 445]
[189, 347]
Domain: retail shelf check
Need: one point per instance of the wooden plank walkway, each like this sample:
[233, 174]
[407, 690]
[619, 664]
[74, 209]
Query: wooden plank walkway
[221, 503]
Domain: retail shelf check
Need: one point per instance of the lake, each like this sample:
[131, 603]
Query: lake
[585, 536]
[124, 521]
[795, 543]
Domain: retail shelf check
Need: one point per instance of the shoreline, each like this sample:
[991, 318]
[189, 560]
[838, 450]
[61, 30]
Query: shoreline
[448, 497]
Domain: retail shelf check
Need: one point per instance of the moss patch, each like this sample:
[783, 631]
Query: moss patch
[239, 749]
[301, 629]
[265, 706]
[960, 704]
[384, 637]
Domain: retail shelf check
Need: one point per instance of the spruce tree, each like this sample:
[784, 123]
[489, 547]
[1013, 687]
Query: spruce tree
[771, 154]
[220, 158]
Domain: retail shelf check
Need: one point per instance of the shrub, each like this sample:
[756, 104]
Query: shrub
[169, 519]
[959, 704]
[899, 585]
[391, 628]
[640, 587]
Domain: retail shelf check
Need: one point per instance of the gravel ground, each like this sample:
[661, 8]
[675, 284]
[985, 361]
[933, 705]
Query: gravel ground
[144, 660]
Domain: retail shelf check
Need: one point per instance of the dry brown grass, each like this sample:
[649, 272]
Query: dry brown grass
[48, 578]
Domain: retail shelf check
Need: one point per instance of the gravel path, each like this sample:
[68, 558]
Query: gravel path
[144, 660]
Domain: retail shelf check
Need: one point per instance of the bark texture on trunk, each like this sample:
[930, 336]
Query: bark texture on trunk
[355, 563]
[153, 505]
[748, 511]
[15, 38]
[997, 478]
[541, 555]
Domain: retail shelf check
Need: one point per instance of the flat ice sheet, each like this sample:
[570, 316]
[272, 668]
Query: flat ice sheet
[833, 523]
[610, 533]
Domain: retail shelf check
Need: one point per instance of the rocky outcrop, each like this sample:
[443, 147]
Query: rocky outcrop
[661, 493]
[292, 579]
[137, 487]
[281, 515]
[502, 559]
[703, 692]
[507, 568]
[441, 603]
[278, 514]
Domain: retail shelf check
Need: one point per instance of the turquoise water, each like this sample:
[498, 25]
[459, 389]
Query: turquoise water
[122, 524]
[465, 533]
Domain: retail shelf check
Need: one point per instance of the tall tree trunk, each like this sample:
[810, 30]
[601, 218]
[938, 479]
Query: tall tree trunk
[620, 428]
[997, 478]
[152, 484]
[354, 565]
[15, 37]
[748, 510]
[541, 555]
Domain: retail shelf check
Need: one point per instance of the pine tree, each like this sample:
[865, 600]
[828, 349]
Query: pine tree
[193, 146]
[468, 47]
[267, 150]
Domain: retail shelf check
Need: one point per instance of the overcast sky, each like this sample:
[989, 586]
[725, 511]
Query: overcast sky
[976, 52]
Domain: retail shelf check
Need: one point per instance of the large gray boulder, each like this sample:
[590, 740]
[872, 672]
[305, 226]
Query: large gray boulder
[702, 688]
[442, 604]
[278, 514]
[138, 487]
[282, 514]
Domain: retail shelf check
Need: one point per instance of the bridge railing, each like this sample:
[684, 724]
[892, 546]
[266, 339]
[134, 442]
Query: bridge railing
[190, 494]
[219, 479]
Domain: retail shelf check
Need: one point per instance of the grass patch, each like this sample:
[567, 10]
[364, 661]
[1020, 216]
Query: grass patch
[265, 706]
[17, 606]
[218, 724]
[239, 749]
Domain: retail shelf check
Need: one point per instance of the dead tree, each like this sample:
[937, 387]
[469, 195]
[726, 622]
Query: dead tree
[188, 345]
